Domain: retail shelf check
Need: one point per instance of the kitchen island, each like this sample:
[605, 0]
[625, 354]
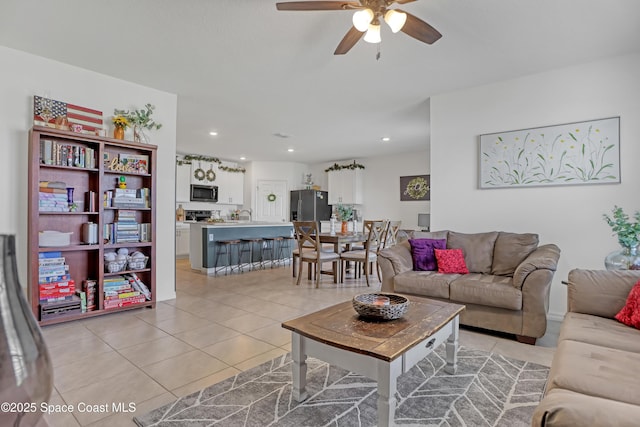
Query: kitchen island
[204, 236]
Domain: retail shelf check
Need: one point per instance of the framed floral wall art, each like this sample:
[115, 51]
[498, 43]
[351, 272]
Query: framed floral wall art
[416, 187]
[569, 154]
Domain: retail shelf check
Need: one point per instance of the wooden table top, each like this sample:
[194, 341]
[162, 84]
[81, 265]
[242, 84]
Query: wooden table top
[340, 326]
[342, 238]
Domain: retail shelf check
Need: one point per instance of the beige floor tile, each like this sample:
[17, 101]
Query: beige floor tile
[163, 311]
[125, 419]
[111, 322]
[155, 351]
[516, 350]
[273, 334]
[133, 335]
[90, 369]
[221, 313]
[183, 369]
[476, 340]
[119, 390]
[248, 322]
[207, 335]
[67, 353]
[238, 349]
[205, 382]
[180, 323]
[56, 417]
[260, 359]
[65, 334]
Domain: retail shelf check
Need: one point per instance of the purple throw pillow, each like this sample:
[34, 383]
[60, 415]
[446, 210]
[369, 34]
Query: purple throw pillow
[424, 258]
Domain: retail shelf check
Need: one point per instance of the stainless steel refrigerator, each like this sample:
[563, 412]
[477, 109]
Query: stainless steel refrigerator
[309, 205]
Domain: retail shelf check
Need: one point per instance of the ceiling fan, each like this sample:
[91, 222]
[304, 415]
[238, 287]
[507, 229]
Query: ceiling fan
[366, 20]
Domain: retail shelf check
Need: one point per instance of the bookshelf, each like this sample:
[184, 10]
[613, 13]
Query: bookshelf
[124, 218]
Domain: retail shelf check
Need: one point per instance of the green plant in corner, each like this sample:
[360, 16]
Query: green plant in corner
[628, 232]
[344, 212]
[140, 119]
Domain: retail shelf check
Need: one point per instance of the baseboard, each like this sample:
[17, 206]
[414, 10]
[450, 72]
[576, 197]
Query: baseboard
[556, 317]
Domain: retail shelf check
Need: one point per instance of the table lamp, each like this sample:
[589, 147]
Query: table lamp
[424, 220]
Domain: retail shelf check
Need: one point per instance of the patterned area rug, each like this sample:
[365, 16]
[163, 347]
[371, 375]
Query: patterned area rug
[487, 390]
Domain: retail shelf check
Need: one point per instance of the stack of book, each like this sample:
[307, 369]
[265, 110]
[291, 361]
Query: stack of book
[126, 227]
[58, 154]
[138, 285]
[52, 197]
[54, 282]
[129, 198]
[119, 292]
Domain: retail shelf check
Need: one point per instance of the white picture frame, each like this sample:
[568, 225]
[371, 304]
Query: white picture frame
[576, 153]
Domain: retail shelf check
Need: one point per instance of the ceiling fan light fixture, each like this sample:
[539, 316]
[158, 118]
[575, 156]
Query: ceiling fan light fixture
[362, 19]
[373, 34]
[395, 20]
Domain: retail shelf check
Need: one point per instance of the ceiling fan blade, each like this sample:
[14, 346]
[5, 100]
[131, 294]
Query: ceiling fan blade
[419, 30]
[318, 5]
[404, 1]
[348, 41]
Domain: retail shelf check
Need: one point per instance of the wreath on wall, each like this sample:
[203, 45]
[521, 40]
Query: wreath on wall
[271, 197]
[199, 174]
[211, 175]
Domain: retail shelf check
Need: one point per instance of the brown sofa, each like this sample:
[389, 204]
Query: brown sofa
[594, 374]
[507, 289]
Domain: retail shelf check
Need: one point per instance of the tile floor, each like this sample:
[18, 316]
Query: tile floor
[216, 327]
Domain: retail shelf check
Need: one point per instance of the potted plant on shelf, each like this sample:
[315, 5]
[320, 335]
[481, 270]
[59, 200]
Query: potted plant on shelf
[120, 124]
[140, 120]
[628, 234]
[344, 214]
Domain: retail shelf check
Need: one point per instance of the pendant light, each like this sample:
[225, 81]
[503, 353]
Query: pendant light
[395, 20]
[362, 18]
[373, 33]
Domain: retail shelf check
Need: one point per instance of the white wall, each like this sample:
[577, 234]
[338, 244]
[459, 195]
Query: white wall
[381, 189]
[23, 75]
[569, 216]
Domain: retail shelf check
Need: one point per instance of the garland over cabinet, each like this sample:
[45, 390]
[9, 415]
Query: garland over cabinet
[91, 225]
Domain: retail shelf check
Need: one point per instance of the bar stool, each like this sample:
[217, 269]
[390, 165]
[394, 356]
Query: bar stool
[246, 246]
[286, 249]
[227, 245]
[268, 247]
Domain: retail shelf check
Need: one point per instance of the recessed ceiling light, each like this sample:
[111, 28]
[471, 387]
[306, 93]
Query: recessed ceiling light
[213, 133]
[386, 139]
[290, 150]
[243, 158]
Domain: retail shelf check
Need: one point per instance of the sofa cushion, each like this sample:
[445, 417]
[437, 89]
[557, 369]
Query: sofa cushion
[450, 261]
[424, 283]
[399, 255]
[566, 408]
[599, 331]
[424, 258]
[510, 250]
[483, 289]
[596, 371]
[477, 249]
[630, 313]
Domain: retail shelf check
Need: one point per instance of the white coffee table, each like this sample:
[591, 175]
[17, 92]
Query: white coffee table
[381, 351]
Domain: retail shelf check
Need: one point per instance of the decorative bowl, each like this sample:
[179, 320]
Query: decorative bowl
[380, 306]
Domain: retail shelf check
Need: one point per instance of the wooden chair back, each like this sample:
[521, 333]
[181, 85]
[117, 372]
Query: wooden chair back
[391, 235]
[306, 233]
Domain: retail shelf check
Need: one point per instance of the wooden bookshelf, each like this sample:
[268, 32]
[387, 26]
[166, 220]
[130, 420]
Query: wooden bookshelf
[83, 174]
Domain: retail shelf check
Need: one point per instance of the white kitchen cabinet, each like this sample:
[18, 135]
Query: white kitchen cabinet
[183, 183]
[182, 240]
[345, 186]
[230, 186]
[207, 168]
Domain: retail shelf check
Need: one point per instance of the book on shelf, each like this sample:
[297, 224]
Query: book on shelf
[59, 154]
[124, 302]
[83, 300]
[139, 285]
[90, 201]
[53, 254]
[90, 288]
[136, 163]
[145, 232]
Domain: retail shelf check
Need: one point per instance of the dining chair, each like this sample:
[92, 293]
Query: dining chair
[310, 251]
[391, 235]
[369, 255]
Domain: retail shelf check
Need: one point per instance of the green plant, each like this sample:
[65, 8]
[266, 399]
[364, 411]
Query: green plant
[628, 232]
[140, 118]
[344, 212]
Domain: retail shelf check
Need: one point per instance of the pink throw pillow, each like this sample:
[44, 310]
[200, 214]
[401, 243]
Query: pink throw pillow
[451, 261]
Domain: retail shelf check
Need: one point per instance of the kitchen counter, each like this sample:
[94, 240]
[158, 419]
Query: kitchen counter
[204, 235]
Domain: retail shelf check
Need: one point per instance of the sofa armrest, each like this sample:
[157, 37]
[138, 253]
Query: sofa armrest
[599, 292]
[393, 261]
[545, 257]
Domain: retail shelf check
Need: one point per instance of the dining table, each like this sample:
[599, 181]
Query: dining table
[340, 240]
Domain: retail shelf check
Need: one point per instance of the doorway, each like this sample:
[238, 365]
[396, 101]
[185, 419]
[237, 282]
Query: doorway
[272, 202]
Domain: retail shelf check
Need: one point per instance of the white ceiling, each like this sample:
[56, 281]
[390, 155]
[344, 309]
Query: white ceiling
[248, 71]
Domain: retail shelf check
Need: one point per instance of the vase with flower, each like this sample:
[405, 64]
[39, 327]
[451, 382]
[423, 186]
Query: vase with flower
[120, 123]
[140, 120]
[344, 213]
[628, 234]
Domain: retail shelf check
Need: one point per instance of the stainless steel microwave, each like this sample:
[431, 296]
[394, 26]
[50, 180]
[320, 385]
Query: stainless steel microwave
[204, 193]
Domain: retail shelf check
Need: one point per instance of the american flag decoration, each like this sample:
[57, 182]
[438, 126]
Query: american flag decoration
[49, 112]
